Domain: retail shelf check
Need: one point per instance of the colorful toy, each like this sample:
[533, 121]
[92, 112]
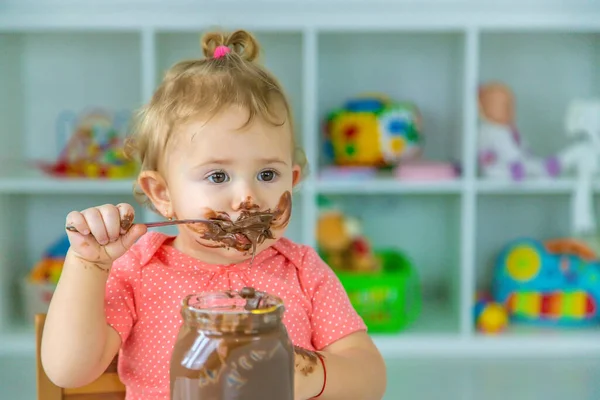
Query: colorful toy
[39, 285]
[341, 243]
[490, 317]
[94, 150]
[49, 268]
[555, 283]
[372, 130]
[502, 152]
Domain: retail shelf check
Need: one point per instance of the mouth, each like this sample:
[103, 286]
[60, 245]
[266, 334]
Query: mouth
[242, 239]
[250, 229]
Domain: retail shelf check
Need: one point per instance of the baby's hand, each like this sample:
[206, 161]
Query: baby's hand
[309, 373]
[103, 233]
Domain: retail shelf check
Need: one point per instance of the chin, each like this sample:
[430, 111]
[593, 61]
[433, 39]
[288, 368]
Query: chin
[233, 255]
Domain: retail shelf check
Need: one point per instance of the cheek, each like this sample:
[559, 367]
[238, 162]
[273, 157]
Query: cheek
[191, 199]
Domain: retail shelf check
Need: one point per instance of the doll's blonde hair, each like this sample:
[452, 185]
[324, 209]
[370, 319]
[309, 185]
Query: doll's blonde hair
[202, 88]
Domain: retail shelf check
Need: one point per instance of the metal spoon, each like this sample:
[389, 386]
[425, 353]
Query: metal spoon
[162, 223]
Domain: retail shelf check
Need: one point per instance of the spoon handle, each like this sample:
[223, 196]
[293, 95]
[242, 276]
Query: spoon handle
[161, 223]
[177, 222]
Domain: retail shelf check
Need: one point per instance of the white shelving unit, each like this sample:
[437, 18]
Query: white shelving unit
[78, 59]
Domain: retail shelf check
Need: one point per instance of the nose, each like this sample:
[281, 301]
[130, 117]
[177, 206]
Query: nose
[245, 197]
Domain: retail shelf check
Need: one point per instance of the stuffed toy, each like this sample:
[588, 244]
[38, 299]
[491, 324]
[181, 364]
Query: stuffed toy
[342, 245]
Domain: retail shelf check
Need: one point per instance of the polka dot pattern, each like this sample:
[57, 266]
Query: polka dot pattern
[146, 286]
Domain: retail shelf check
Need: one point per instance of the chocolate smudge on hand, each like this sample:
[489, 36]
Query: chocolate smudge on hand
[249, 230]
[127, 221]
[305, 360]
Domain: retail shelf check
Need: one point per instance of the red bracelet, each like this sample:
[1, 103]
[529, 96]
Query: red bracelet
[324, 375]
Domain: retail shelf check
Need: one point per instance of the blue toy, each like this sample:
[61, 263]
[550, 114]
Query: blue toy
[554, 283]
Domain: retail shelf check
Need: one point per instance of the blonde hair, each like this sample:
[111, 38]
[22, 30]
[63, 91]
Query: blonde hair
[203, 87]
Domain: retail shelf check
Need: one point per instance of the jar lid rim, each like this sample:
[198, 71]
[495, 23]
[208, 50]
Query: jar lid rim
[233, 295]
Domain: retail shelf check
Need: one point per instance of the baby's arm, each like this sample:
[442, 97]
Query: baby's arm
[354, 368]
[77, 343]
[353, 365]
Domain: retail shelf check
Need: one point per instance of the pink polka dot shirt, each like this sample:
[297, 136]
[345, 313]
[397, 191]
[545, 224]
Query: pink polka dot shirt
[146, 285]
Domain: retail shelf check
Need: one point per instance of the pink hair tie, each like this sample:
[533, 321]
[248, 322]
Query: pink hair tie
[220, 51]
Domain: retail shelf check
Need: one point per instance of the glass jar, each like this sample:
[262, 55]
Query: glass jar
[232, 345]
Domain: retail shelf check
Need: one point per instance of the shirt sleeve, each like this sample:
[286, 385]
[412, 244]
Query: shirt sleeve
[333, 316]
[119, 302]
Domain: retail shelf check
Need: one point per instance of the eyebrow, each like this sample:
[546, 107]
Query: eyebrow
[221, 161]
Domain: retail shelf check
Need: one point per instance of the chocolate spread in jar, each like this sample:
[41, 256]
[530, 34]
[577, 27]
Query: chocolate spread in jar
[232, 346]
[249, 230]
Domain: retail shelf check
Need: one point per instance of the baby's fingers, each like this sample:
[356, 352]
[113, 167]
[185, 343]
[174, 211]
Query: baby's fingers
[127, 215]
[96, 224]
[76, 223]
[80, 236]
[112, 221]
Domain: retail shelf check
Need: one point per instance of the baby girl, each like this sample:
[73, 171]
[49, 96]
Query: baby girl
[215, 141]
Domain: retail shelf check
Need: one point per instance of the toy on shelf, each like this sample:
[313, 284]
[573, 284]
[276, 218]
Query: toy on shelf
[95, 148]
[382, 285]
[490, 316]
[373, 131]
[501, 151]
[426, 171]
[342, 244]
[553, 283]
[38, 287]
[583, 157]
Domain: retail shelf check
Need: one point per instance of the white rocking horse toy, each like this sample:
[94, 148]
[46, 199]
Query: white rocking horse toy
[583, 123]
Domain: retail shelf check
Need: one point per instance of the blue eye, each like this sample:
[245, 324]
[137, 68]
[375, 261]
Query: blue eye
[267, 175]
[218, 177]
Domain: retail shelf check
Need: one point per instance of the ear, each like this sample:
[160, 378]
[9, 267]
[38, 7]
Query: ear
[296, 175]
[155, 187]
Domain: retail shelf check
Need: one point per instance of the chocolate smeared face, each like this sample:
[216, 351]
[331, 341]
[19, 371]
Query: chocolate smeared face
[249, 230]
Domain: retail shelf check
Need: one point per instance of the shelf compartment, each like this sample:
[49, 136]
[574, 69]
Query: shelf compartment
[502, 219]
[423, 68]
[63, 72]
[545, 70]
[414, 226]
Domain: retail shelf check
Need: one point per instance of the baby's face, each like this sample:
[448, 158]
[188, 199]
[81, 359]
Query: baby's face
[215, 168]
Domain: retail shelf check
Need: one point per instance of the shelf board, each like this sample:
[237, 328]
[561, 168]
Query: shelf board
[30, 181]
[549, 186]
[295, 15]
[447, 345]
[434, 335]
[387, 186]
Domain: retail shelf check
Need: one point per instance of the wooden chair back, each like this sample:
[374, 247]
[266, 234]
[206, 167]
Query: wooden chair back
[107, 387]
